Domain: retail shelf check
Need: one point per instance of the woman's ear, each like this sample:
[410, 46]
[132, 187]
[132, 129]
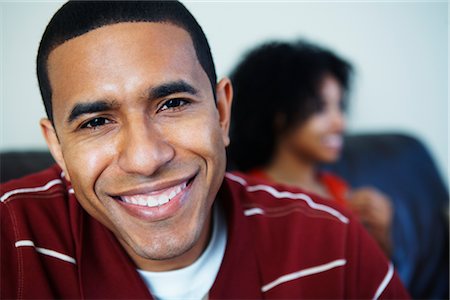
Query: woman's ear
[224, 94]
[53, 144]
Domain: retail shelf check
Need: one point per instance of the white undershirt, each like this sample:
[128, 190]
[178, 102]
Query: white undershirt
[194, 281]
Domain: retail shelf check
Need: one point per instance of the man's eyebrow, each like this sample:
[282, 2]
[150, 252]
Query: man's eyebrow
[88, 108]
[170, 88]
[157, 92]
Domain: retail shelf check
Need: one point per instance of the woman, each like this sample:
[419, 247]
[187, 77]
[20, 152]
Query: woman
[288, 119]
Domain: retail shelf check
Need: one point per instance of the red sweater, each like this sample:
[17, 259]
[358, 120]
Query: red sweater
[281, 244]
[336, 186]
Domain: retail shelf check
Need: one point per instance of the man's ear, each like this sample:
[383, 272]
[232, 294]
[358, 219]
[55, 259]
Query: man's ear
[53, 144]
[224, 94]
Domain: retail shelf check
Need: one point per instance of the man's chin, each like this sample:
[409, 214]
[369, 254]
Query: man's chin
[164, 254]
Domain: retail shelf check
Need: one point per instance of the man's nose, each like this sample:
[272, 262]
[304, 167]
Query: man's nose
[144, 150]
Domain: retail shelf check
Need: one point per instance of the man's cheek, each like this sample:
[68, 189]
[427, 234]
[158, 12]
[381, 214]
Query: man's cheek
[207, 140]
[87, 163]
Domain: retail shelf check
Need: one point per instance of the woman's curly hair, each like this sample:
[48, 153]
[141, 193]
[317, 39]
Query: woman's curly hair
[277, 88]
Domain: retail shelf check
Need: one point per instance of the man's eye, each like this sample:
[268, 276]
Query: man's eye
[96, 122]
[173, 103]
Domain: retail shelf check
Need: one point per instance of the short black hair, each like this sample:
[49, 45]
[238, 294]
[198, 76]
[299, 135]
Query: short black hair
[277, 80]
[75, 18]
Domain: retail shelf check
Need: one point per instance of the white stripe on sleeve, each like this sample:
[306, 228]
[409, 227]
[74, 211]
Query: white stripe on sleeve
[30, 190]
[48, 252]
[236, 178]
[303, 273]
[385, 282]
[253, 211]
[284, 194]
[299, 196]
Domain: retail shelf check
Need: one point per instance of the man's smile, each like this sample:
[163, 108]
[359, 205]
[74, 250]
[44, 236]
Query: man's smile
[158, 202]
[155, 198]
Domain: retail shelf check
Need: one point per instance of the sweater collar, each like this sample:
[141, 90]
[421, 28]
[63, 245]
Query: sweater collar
[106, 271]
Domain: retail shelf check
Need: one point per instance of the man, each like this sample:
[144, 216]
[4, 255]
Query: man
[137, 206]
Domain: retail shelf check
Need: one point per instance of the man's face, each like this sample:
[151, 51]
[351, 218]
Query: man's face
[138, 134]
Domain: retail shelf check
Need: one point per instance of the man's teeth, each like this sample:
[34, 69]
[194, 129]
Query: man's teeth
[155, 199]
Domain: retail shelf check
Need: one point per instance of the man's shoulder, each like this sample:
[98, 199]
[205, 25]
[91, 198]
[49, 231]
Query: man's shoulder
[47, 183]
[37, 233]
[36, 208]
[259, 197]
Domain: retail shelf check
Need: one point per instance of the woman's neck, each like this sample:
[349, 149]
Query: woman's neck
[290, 169]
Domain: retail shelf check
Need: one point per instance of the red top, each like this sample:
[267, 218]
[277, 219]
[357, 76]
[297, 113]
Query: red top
[282, 243]
[335, 185]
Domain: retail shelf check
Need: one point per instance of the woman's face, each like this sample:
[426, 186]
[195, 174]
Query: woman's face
[320, 138]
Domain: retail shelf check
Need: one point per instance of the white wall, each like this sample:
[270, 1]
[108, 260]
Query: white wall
[399, 49]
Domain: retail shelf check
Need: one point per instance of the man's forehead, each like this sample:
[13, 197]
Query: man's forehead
[151, 33]
[118, 56]
[126, 43]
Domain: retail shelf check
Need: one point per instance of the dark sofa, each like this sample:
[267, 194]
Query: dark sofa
[400, 166]
[397, 164]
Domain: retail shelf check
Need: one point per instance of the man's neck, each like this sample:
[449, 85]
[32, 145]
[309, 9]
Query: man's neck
[174, 263]
[196, 280]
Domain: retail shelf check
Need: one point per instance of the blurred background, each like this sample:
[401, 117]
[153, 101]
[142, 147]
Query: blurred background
[399, 50]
